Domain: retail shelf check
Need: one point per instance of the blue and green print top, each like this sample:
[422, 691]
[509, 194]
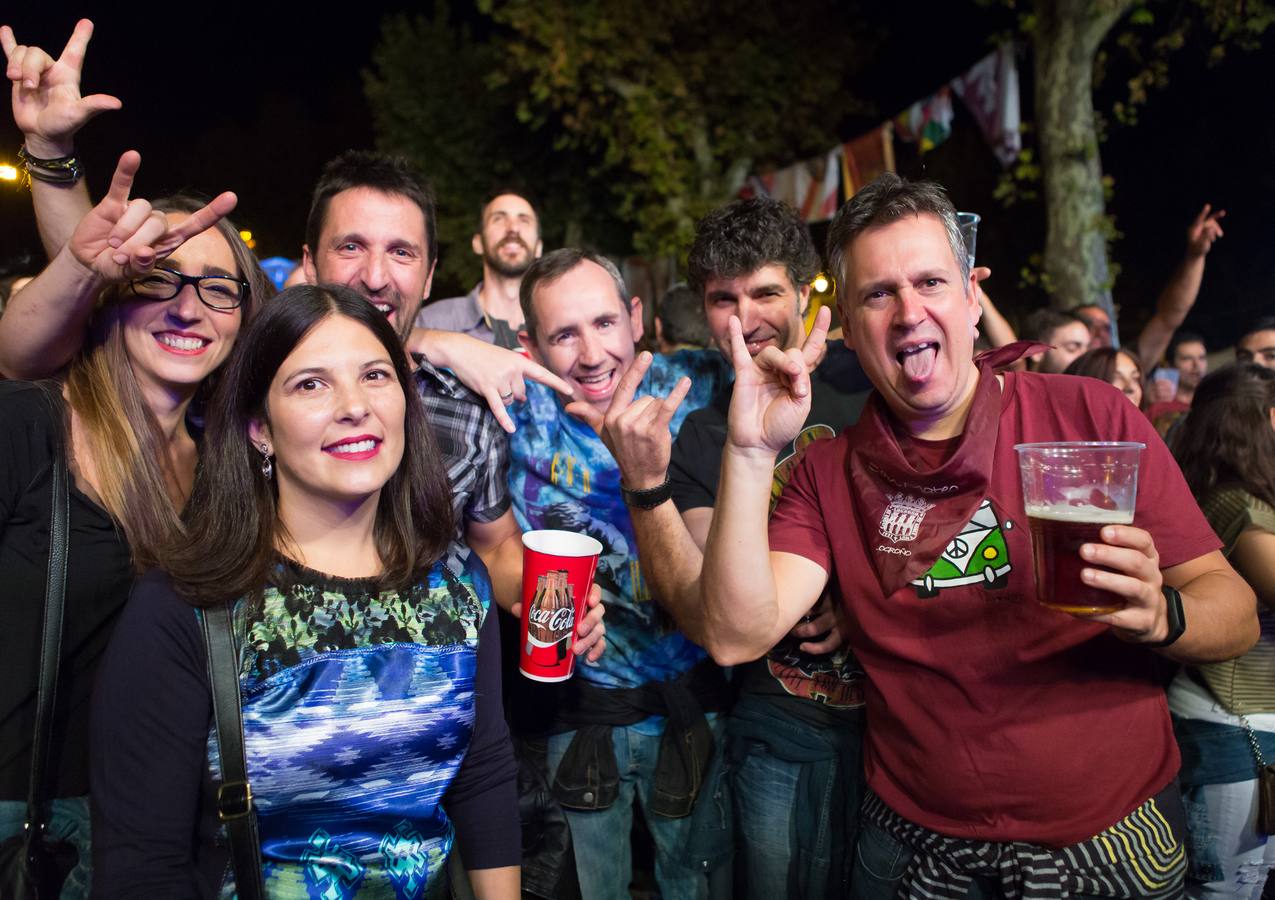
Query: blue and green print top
[563, 477]
[358, 708]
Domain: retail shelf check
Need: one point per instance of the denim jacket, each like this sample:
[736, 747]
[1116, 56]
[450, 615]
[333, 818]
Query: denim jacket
[588, 777]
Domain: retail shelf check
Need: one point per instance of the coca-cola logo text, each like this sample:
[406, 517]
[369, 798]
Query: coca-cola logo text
[553, 620]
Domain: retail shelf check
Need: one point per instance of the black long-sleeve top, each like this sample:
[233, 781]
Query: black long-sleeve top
[98, 580]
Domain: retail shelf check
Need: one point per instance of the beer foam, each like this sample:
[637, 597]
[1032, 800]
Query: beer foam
[1066, 512]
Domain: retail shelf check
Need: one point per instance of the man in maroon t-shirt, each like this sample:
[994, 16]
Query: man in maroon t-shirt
[1010, 747]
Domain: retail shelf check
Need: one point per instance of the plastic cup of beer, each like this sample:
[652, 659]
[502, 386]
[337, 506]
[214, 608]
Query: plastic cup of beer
[968, 222]
[1071, 490]
[557, 572]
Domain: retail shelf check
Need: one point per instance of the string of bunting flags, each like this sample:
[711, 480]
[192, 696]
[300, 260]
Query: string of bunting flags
[816, 187]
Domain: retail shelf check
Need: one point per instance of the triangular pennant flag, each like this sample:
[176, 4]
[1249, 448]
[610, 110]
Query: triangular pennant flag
[866, 157]
[927, 121]
[990, 91]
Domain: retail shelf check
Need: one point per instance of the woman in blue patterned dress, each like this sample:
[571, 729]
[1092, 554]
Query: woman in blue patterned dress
[369, 666]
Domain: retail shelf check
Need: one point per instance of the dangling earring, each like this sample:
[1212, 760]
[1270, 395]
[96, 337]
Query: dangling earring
[267, 467]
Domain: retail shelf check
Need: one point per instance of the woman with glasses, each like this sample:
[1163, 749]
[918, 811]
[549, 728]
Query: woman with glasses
[368, 665]
[165, 288]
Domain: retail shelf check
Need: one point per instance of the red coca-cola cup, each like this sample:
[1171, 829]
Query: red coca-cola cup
[557, 572]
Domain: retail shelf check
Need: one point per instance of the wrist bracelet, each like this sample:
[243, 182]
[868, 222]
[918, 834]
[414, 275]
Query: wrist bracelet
[1173, 613]
[63, 170]
[648, 498]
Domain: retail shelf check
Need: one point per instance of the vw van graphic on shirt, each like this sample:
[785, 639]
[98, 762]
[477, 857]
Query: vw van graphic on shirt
[977, 554]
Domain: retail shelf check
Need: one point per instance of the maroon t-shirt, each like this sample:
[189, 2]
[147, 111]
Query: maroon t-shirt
[990, 716]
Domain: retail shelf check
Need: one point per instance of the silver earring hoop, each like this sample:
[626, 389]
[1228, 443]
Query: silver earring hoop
[267, 467]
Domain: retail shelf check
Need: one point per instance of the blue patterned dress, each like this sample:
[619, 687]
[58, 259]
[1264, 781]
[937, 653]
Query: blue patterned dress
[358, 707]
[357, 710]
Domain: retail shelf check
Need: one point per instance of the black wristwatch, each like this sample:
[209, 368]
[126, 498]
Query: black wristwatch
[1173, 611]
[648, 498]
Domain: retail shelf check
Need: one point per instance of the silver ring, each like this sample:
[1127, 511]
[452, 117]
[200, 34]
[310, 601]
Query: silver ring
[507, 398]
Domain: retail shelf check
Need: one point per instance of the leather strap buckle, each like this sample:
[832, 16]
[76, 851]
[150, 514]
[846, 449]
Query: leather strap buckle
[234, 800]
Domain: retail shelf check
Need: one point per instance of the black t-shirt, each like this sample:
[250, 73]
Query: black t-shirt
[99, 575]
[839, 390]
[503, 334]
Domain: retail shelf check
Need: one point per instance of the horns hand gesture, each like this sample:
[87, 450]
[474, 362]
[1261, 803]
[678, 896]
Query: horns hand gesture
[771, 398]
[120, 238]
[47, 106]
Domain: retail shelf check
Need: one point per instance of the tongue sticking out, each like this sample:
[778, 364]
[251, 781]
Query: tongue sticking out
[918, 364]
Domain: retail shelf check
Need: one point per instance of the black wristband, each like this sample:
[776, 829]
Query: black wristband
[649, 498]
[1173, 612]
[63, 170]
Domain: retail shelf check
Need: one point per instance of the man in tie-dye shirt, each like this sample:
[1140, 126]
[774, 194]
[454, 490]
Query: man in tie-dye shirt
[582, 324]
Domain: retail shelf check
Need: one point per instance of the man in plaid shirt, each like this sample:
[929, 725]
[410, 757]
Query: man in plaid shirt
[371, 227]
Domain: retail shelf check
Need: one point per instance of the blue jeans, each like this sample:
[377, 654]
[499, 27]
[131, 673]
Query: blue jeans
[604, 858]
[1224, 834]
[69, 822]
[764, 788]
[1229, 855]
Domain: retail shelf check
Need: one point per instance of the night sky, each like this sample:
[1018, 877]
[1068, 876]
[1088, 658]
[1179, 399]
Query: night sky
[219, 98]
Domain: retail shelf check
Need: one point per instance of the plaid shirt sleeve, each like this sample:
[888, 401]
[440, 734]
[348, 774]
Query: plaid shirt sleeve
[490, 496]
[473, 447]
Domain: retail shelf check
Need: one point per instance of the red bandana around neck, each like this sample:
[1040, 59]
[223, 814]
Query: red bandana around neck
[907, 517]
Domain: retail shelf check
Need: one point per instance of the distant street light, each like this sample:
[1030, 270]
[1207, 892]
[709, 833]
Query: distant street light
[246, 236]
[8, 173]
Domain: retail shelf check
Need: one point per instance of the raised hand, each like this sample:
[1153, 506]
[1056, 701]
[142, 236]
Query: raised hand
[771, 398]
[636, 433]
[1204, 231]
[47, 106]
[497, 374]
[120, 238]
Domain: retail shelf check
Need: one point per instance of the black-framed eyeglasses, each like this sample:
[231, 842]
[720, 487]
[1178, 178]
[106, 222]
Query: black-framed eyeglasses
[219, 292]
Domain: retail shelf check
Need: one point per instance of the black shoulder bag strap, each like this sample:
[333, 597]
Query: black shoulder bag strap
[234, 796]
[51, 638]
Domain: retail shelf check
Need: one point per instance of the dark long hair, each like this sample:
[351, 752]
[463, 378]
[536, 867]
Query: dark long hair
[233, 532]
[1100, 362]
[1227, 435]
[129, 451]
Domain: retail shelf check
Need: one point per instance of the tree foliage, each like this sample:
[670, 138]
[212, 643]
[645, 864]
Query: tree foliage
[647, 111]
[432, 100]
[1076, 45]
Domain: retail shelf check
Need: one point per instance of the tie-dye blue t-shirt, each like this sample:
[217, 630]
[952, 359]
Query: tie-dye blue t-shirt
[564, 477]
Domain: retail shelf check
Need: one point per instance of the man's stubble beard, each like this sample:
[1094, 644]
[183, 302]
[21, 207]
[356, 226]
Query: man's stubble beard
[507, 269]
